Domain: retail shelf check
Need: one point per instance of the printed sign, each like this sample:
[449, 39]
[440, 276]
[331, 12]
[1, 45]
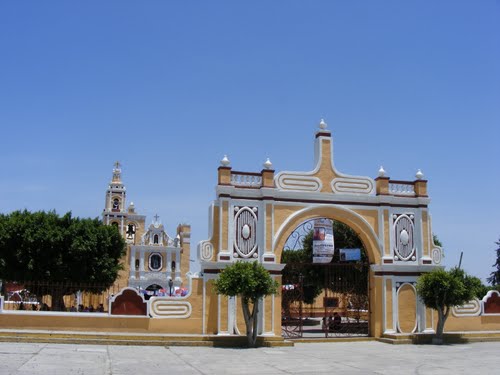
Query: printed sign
[323, 247]
[350, 255]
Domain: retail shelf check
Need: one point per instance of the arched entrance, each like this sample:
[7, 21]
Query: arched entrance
[257, 212]
[324, 282]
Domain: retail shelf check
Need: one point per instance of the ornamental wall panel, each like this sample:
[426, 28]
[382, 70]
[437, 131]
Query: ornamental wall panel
[407, 308]
[245, 232]
[404, 244]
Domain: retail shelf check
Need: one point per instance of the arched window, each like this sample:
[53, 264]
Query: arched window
[155, 239]
[173, 266]
[155, 262]
[116, 204]
[130, 231]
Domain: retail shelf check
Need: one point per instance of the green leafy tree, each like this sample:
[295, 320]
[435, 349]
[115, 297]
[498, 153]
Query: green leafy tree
[494, 278]
[436, 240]
[250, 281]
[441, 290]
[58, 250]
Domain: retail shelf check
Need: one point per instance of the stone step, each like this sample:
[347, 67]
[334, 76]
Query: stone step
[449, 337]
[110, 338]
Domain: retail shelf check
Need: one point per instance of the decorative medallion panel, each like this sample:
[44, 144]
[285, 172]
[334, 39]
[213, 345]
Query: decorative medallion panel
[404, 238]
[245, 232]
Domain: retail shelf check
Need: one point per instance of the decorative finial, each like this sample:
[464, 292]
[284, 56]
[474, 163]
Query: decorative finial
[225, 161]
[131, 207]
[419, 175]
[117, 173]
[268, 164]
[322, 124]
[381, 172]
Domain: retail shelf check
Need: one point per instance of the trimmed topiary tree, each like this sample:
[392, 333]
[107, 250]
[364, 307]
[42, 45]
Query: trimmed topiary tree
[441, 290]
[251, 282]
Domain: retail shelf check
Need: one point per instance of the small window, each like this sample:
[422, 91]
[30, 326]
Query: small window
[155, 262]
[116, 204]
[173, 266]
[137, 264]
[155, 239]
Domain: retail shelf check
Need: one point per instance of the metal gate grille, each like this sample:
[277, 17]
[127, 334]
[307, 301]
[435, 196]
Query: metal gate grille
[325, 300]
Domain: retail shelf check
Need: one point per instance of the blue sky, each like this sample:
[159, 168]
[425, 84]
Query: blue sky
[169, 87]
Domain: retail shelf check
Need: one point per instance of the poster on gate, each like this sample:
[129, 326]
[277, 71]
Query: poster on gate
[347, 255]
[323, 247]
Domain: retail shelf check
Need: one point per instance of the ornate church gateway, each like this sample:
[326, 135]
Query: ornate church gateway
[253, 218]
[254, 214]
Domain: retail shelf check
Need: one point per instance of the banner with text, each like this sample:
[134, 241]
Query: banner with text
[323, 247]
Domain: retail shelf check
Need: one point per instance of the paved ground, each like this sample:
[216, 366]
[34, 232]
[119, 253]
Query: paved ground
[320, 358]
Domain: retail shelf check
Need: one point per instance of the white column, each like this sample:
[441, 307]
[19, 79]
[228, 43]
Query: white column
[141, 264]
[132, 263]
[231, 315]
[169, 264]
[178, 263]
[260, 317]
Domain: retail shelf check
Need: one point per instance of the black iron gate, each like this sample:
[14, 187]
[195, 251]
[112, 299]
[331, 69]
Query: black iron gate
[325, 300]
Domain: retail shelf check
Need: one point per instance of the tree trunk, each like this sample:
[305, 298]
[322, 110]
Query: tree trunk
[442, 316]
[250, 322]
[57, 296]
[255, 314]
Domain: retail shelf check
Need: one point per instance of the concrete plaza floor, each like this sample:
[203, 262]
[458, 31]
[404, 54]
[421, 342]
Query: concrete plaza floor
[319, 358]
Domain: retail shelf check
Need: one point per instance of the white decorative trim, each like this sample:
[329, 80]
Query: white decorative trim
[471, 308]
[245, 180]
[169, 309]
[402, 188]
[69, 314]
[205, 247]
[298, 181]
[352, 185]
[437, 255]
[311, 207]
[206, 250]
[297, 196]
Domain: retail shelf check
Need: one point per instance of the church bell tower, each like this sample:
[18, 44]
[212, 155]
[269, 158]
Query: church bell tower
[114, 212]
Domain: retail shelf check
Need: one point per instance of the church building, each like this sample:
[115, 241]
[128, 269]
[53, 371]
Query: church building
[154, 260]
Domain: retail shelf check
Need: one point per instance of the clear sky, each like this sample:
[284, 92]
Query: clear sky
[169, 87]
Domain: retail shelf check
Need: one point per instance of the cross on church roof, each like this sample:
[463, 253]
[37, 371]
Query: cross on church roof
[117, 165]
[156, 217]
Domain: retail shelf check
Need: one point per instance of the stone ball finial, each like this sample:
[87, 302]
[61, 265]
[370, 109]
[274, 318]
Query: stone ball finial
[381, 172]
[268, 164]
[419, 175]
[322, 124]
[225, 161]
